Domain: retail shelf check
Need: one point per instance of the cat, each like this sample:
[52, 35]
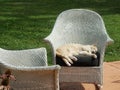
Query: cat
[68, 52]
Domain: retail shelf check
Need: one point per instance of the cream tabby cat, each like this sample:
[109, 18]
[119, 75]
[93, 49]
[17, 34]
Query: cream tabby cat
[69, 51]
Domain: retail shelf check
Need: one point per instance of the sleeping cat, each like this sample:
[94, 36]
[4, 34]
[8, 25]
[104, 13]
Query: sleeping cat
[68, 52]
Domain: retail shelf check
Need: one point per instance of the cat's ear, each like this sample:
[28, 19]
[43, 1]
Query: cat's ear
[95, 44]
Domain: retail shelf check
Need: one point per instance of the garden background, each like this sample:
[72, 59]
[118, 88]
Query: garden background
[25, 23]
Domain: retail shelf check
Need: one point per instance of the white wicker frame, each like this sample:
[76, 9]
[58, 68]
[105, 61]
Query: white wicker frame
[30, 69]
[84, 27]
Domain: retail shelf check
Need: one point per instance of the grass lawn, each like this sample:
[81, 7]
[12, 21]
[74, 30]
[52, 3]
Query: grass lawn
[24, 23]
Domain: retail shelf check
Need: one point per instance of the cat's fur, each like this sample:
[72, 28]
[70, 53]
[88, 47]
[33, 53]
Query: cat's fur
[68, 52]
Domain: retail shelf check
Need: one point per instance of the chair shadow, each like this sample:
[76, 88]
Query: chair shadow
[71, 86]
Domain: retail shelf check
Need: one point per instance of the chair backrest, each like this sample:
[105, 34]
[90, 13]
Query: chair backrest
[79, 26]
[29, 57]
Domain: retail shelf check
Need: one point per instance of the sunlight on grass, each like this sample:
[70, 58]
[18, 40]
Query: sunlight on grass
[42, 16]
[112, 24]
[7, 18]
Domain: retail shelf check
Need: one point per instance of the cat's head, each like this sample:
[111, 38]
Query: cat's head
[94, 48]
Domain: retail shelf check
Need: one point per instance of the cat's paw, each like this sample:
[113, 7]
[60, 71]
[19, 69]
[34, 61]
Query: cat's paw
[68, 61]
[73, 58]
[94, 56]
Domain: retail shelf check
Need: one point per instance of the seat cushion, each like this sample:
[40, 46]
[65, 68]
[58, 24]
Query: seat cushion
[82, 60]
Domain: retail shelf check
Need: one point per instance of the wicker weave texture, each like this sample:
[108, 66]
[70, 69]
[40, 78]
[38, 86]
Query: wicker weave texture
[84, 27]
[30, 69]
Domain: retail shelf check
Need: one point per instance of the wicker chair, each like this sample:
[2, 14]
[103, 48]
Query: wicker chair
[84, 27]
[30, 69]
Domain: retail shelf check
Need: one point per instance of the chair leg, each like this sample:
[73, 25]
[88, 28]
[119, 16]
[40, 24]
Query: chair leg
[98, 87]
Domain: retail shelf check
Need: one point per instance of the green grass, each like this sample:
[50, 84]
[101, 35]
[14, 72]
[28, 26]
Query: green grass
[24, 23]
